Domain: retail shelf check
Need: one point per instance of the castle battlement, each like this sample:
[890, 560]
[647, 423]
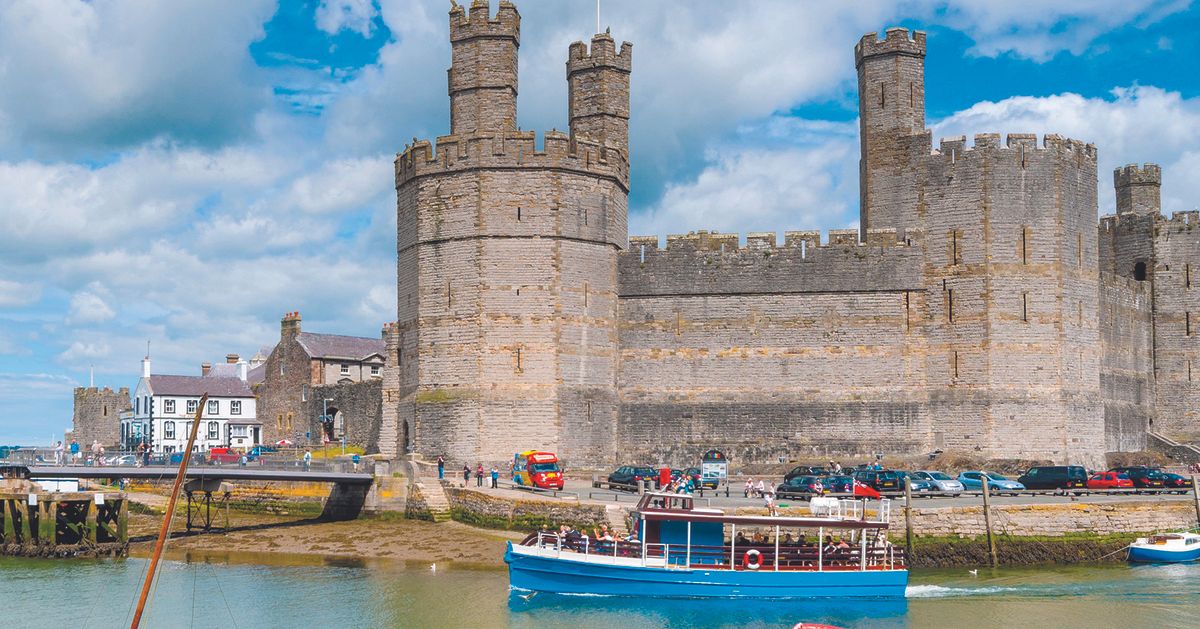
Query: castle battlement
[956, 146]
[1182, 221]
[602, 53]
[1133, 175]
[510, 149]
[706, 241]
[896, 41]
[478, 22]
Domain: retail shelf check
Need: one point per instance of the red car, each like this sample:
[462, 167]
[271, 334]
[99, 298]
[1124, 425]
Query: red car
[1109, 480]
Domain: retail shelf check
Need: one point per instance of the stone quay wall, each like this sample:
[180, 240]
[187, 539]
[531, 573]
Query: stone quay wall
[474, 507]
[1050, 520]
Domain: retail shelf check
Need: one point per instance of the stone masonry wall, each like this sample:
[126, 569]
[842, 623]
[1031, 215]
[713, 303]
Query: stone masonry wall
[361, 406]
[480, 508]
[1127, 369]
[96, 416]
[1176, 286]
[1052, 520]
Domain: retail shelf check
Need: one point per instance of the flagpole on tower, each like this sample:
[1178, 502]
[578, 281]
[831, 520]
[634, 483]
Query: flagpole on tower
[597, 16]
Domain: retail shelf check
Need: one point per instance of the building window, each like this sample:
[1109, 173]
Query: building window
[235, 407]
[191, 406]
[950, 305]
[1187, 276]
[518, 360]
[954, 365]
[1139, 271]
[374, 370]
[955, 246]
[1187, 323]
[214, 407]
[238, 431]
[137, 406]
[281, 368]
[168, 406]
[213, 431]
[1024, 245]
[345, 369]
[1025, 307]
[168, 430]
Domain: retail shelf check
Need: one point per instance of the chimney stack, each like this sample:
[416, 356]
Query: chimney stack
[243, 370]
[205, 368]
[289, 327]
[232, 359]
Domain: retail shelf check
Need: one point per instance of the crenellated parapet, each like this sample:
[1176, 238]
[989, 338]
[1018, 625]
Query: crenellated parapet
[510, 150]
[1014, 145]
[896, 41]
[712, 263]
[602, 53]
[479, 23]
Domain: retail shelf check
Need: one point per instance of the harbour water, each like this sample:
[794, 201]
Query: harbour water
[233, 592]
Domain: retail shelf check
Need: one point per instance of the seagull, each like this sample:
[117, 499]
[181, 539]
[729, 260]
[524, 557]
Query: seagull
[433, 567]
[528, 596]
[974, 573]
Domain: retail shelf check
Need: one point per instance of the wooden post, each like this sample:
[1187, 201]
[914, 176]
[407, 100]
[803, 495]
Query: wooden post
[1196, 497]
[123, 521]
[27, 523]
[91, 520]
[908, 527]
[48, 510]
[987, 520]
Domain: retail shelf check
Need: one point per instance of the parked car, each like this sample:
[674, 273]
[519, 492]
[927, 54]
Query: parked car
[941, 481]
[1064, 477]
[880, 480]
[258, 451]
[177, 457]
[631, 475]
[997, 484]
[919, 485]
[219, 456]
[1143, 477]
[838, 484]
[800, 487]
[1176, 482]
[127, 460]
[806, 470]
[1109, 480]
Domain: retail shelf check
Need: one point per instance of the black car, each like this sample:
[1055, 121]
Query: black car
[1143, 476]
[838, 484]
[806, 470]
[1176, 482]
[880, 480]
[1055, 477]
[631, 475]
[800, 487]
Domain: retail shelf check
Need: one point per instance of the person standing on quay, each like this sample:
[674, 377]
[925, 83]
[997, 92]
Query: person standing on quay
[479, 475]
[466, 474]
[441, 467]
[307, 460]
[58, 453]
[74, 451]
[495, 478]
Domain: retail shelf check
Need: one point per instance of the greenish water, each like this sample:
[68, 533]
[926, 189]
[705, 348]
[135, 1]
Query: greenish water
[45, 593]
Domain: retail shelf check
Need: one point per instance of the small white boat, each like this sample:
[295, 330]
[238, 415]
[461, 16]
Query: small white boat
[1166, 548]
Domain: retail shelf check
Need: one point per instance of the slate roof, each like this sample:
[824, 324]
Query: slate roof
[256, 375]
[337, 346]
[223, 370]
[199, 385]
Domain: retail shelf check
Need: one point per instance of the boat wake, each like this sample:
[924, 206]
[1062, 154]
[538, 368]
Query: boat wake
[941, 591]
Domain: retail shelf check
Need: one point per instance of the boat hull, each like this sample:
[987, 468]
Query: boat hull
[1141, 554]
[566, 576]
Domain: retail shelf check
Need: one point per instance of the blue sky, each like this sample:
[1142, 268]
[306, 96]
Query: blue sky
[186, 172]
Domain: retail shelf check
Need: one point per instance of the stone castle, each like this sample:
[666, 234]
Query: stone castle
[979, 307]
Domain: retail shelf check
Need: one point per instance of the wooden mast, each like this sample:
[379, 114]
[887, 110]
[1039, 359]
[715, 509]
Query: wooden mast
[166, 525]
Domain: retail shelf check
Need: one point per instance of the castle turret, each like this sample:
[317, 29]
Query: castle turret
[891, 108]
[483, 70]
[598, 90]
[1138, 188]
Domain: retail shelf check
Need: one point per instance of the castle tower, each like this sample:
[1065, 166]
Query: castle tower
[506, 334]
[891, 109]
[1138, 188]
[483, 71]
[598, 90]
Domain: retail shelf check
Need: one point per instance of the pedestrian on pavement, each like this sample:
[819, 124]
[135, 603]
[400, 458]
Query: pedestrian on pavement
[748, 488]
[141, 454]
[466, 474]
[441, 467]
[769, 501]
[96, 450]
[760, 488]
[74, 450]
[495, 478]
[479, 475]
[307, 460]
[58, 453]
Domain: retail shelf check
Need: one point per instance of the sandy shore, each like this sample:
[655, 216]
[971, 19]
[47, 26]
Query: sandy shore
[262, 535]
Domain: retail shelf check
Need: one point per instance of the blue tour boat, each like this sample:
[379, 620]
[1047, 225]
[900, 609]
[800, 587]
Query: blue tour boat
[686, 551]
[1166, 548]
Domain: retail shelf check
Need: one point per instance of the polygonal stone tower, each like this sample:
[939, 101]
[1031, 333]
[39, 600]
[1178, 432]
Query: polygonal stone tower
[506, 335]
[891, 105]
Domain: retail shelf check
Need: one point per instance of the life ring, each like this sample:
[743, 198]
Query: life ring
[750, 561]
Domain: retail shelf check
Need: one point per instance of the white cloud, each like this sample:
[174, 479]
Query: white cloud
[34, 385]
[1137, 124]
[82, 351]
[89, 307]
[16, 294]
[333, 16]
[83, 76]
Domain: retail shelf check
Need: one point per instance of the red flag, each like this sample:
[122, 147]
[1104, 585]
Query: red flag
[863, 490]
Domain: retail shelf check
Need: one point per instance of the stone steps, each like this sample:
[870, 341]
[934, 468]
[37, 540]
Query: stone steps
[616, 520]
[435, 499]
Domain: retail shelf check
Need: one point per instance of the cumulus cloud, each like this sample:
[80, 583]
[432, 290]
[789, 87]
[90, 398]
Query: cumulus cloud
[14, 294]
[358, 16]
[81, 78]
[88, 306]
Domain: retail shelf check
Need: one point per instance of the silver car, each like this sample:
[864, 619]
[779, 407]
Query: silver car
[941, 481]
